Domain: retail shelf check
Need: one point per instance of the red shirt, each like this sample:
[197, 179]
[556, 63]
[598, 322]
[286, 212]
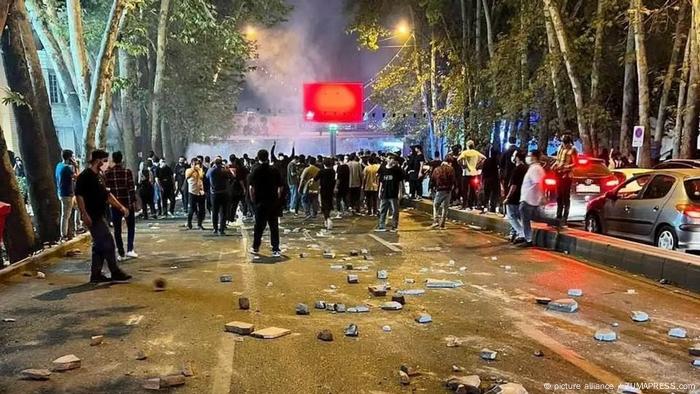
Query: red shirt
[444, 177]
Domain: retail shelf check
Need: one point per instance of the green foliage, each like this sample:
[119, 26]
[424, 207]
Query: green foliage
[15, 98]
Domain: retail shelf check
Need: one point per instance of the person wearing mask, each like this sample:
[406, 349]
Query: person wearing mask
[531, 194]
[66, 172]
[309, 188]
[391, 180]
[165, 179]
[512, 200]
[266, 188]
[180, 183]
[563, 167]
[194, 176]
[146, 192]
[506, 166]
[370, 185]
[93, 197]
[415, 172]
[219, 177]
[443, 181]
[238, 192]
[120, 182]
[490, 179]
[471, 160]
[293, 184]
[326, 181]
[343, 175]
[206, 165]
[355, 182]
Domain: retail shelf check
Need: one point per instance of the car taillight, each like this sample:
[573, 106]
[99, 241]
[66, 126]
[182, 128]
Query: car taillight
[612, 183]
[550, 182]
[582, 162]
[689, 210]
[475, 181]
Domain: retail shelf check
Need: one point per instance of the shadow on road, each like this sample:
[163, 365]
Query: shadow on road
[63, 293]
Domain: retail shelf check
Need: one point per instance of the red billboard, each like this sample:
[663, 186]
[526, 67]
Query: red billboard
[333, 102]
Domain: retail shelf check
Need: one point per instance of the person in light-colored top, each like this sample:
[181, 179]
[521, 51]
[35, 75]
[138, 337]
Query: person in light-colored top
[195, 184]
[531, 193]
[470, 159]
[370, 184]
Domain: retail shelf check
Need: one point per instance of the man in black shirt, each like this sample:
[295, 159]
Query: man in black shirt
[343, 185]
[219, 177]
[326, 179]
[506, 164]
[180, 182]
[489, 176]
[93, 196]
[391, 180]
[165, 178]
[415, 172]
[512, 199]
[266, 192]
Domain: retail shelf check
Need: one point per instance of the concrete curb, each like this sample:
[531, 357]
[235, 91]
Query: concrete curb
[32, 262]
[680, 269]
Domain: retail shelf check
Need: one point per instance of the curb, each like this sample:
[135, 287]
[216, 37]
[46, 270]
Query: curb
[677, 268]
[32, 262]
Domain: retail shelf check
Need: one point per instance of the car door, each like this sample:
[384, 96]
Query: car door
[617, 210]
[645, 211]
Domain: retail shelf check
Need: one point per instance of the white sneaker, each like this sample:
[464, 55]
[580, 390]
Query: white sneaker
[329, 224]
[276, 254]
[131, 254]
[338, 216]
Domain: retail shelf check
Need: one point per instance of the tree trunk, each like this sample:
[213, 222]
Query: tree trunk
[524, 77]
[76, 38]
[682, 95]
[127, 71]
[105, 108]
[477, 34]
[489, 30]
[689, 133]
[678, 41]
[101, 80]
[645, 160]
[20, 52]
[168, 151]
[599, 24]
[158, 78]
[554, 68]
[628, 94]
[576, 86]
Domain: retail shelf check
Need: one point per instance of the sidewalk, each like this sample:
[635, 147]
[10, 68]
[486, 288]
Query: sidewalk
[32, 262]
[677, 268]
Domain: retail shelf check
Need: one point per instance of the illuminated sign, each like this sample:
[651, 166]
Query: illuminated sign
[333, 102]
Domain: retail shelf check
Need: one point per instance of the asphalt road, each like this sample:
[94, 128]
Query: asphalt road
[493, 309]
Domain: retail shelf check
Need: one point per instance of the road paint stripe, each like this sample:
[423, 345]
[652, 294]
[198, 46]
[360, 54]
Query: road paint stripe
[385, 243]
[223, 373]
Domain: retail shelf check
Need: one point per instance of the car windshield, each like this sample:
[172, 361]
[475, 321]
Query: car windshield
[591, 169]
[692, 187]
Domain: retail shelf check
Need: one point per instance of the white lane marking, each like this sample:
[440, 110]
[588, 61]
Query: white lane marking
[385, 243]
[224, 367]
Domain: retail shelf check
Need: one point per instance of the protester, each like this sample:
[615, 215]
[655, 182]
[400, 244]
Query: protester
[165, 179]
[120, 182]
[391, 180]
[180, 183]
[66, 172]
[490, 180]
[414, 169]
[93, 197]
[293, 184]
[326, 180]
[146, 193]
[567, 157]
[194, 176]
[219, 177]
[470, 159]
[355, 183]
[266, 188]
[370, 185]
[309, 188]
[443, 181]
[512, 200]
[531, 194]
[238, 188]
[343, 176]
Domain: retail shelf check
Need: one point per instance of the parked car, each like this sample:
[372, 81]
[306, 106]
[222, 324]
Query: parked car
[660, 207]
[591, 178]
[677, 163]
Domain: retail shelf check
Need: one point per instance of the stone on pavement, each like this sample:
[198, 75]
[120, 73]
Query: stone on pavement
[404, 379]
[678, 332]
[377, 290]
[35, 374]
[424, 318]
[96, 340]
[243, 303]
[239, 327]
[567, 305]
[320, 305]
[442, 284]
[271, 333]
[353, 278]
[65, 363]
[187, 369]
[488, 354]
[226, 278]
[325, 335]
[302, 309]
[391, 306]
[352, 330]
[471, 382]
[694, 350]
[575, 292]
[640, 316]
[399, 298]
[543, 300]
[382, 274]
[605, 335]
[141, 355]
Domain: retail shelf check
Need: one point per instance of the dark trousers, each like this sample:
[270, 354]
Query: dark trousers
[266, 215]
[102, 248]
[233, 207]
[469, 191]
[219, 204]
[371, 198]
[563, 198]
[492, 194]
[196, 203]
[355, 193]
[147, 202]
[185, 197]
[168, 198]
[341, 199]
[117, 216]
[415, 187]
[326, 204]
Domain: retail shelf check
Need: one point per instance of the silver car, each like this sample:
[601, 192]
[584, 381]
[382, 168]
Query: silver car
[660, 207]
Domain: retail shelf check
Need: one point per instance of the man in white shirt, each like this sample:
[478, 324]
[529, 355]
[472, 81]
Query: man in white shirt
[531, 193]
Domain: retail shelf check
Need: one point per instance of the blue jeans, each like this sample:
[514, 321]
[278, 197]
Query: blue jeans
[384, 206]
[440, 206]
[527, 214]
[513, 214]
[293, 198]
[117, 216]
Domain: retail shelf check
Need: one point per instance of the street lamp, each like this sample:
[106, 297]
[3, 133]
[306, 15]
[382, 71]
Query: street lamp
[402, 29]
[250, 32]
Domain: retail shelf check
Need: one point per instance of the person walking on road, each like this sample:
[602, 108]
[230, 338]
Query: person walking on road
[146, 192]
[293, 184]
[219, 176]
[326, 180]
[512, 200]
[370, 183]
[531, 194]
[266, 192]
[443, 181]
[308, 188]
[470, 159]
[120, 182]
[567, 157]
[355, 182]
[194, 176]
[93, 197]
[391, 179]
[66, 172]
[165, 179]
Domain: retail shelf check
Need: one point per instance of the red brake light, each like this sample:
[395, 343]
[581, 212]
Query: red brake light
[550, 181]
[612, 183]
[582, 162]
[475, 181]
[690, 210]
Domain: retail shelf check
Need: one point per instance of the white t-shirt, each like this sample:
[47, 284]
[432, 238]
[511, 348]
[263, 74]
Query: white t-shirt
[532, 191]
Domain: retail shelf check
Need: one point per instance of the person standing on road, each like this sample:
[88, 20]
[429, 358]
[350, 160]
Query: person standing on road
[492, 186]
[391, 188]
[146, 192]
[470, 159]
[326, 180]
[531, 193]
[165, 178]
[355, 182]
[120, 182]
[194, 176]
[370, 182]
[343, 175]
[65, 180]
[308, 188]
[266, 192]
[92, 197]
[415, 173]
[506, 165]
[219, 176]
[293, 183]
[443, 181]
[567, 157]
[180, 183]
[512, 200]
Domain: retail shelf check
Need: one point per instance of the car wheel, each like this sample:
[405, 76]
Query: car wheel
[593, 223]
[666, 238]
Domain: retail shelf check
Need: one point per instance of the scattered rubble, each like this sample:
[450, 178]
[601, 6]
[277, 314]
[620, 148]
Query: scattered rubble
[696, 363]
[409, 281]
[73, 253]
[624, 388]
[453, 341]
[377, 290]
[456, 368]
[471, 383]
[40, 275]
[543, 300]
[575, 292]
[270, 333]
[538, 353]
[35, 374]
[640, 316]
[141, 355]
[488, 354]
[325, 335]
[164, 382]
[605, 335]
[66, 363]
[399, 298]
[694, 350]
[187, 369]
[566, 305]
[8, 320]
[411, 292]
[159, 284]
[225, 278]
[340, 308]
[508, 388]
[386, 328]
[359, 309]
[391, 306]
[320, 305]
[96, 340]
[677, 332]
[424, 318]
[243, 303]
[240, 328]
[302, 309]
[443, 284]
[328, 254]
[352, 330]
[382, 274]
[353, 279]
[354, 253]
[404, 379]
